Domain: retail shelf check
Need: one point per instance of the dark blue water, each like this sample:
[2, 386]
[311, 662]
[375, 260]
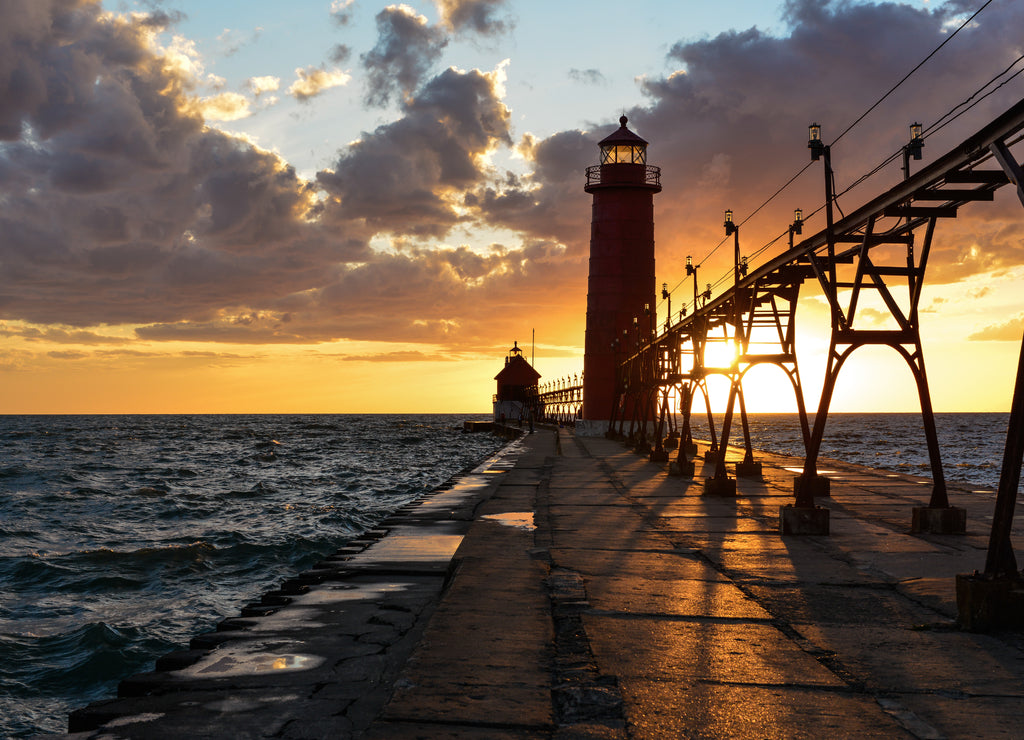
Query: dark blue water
[123, 536]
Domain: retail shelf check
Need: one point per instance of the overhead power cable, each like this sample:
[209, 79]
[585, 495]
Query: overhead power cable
[911, 72]
[933, 129]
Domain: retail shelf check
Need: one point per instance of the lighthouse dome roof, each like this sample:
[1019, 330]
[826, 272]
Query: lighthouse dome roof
[622, 135]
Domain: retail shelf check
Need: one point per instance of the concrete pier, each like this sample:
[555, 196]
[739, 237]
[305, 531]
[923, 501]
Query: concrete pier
[571, 589]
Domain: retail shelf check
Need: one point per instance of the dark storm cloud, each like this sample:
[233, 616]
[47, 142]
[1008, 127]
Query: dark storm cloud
[479, 16]
[118, 205]
[406, 48]
[200, 236]
[550, 202]
[401, 178]
[730, 126]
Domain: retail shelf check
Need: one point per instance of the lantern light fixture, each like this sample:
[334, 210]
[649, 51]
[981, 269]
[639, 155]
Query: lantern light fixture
[916, 141]
[730, 225]
[814, 142]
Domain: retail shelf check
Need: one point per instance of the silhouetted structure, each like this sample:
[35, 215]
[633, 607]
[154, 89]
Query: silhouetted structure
[517, 386]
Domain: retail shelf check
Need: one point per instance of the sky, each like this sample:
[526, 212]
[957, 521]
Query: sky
[340, 206]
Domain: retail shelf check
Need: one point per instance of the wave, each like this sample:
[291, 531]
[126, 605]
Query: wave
[56, 663]
[120, 526]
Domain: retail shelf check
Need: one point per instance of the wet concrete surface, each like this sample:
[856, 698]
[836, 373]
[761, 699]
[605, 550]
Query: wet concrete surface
[578, 591]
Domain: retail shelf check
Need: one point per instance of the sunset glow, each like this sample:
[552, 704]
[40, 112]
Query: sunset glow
[347, 207]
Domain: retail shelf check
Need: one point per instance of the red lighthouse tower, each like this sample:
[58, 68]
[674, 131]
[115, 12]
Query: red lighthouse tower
[621, 286]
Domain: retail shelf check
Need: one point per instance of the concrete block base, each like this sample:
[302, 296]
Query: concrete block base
[720, 487]
[691, 448]
[985, 603]
[671, 442]
[748, 469]
[659, 456]
[819, 488]
[952, 520]
[807, 520]
[683, 470]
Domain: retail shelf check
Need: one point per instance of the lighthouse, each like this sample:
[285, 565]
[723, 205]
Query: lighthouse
[517, 387]
[621, 284]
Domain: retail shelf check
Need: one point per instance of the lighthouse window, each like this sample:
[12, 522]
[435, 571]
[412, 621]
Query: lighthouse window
[623, 153]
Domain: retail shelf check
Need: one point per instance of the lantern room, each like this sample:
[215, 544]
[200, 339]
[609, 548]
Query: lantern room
[623, 147]
[623, 162]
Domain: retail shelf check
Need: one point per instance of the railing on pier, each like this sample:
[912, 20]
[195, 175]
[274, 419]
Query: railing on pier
[560, 401]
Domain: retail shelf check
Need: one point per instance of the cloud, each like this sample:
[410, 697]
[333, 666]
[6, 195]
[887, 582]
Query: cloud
[549, 203]
[262, 85]
[232, 40]
[58, 335]
[313, 81]
[158, 218]
[340, 53]
[120, 205]
[1009, 331]
[405, 176]
[728, 126]
[474, 15]
[406, 48]
[341, 11]
[406, 356]
[587, 76]
[226, 106]
[252, 328]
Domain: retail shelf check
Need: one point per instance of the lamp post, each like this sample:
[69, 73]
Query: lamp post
[797, 227]
[732, 229]
[821, 150]
[912, 148]
[691, 269]
[668, 297]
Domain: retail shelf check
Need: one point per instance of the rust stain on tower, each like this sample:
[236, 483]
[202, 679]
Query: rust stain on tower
[621, 285]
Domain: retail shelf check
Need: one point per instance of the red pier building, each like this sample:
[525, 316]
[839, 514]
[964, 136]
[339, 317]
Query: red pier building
[621, 285]
[517, 385]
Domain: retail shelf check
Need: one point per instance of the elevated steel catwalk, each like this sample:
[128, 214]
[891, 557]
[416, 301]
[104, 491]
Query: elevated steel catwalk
[879, 247]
